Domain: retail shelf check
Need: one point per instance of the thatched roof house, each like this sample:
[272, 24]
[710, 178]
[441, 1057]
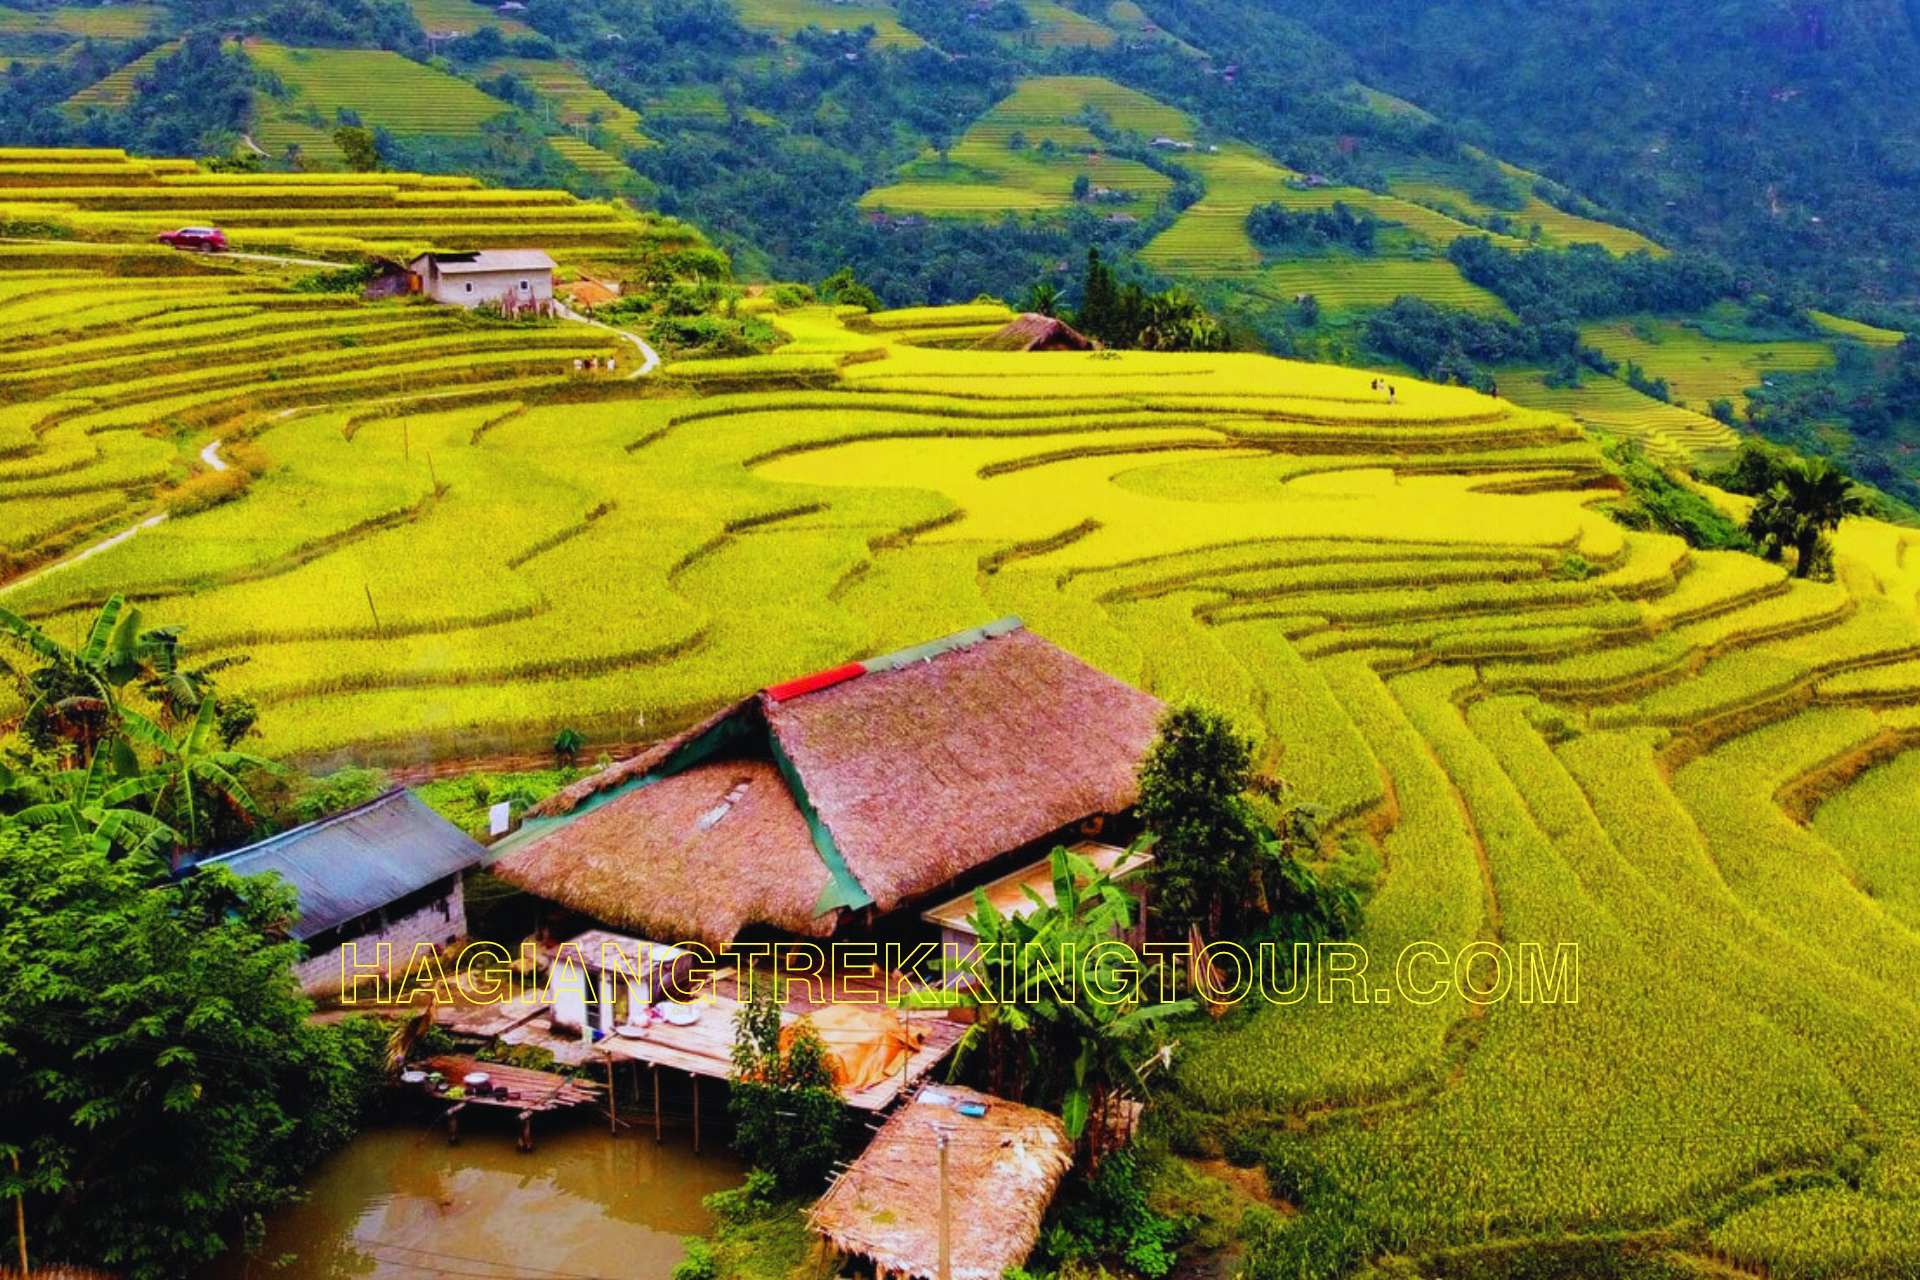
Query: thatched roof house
[1003, 1168]
[871, 784]
[1031, 331]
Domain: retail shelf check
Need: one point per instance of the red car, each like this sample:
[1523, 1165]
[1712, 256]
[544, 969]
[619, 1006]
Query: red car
[201, 239]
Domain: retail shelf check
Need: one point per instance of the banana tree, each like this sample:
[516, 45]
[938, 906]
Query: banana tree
[1059, 1008]
[92, 805]
[194, 761]
[74, 694]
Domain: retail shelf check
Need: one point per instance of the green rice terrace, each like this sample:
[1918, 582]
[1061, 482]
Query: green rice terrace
[1523, 721]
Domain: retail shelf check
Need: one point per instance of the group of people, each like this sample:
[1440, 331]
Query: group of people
[1381, 384]
[593, 364]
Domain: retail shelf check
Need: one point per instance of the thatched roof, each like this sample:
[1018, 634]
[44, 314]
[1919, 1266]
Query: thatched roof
[1031, 331]
[1002, 1171]
[875, 782]
[668, 864]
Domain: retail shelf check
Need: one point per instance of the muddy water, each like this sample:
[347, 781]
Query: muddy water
[399, 1202]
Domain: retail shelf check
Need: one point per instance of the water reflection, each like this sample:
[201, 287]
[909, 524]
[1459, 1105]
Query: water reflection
[399, 1202]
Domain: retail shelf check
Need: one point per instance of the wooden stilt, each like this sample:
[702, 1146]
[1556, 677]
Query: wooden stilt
[613, 1100]
[656, 1105]
[696, 1114]
[526, 1131]
[453, 1123]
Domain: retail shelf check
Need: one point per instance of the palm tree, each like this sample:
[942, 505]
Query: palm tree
[1043, 298]
[89, 806]
[1807, 500]
[193, 761]
[75, 694]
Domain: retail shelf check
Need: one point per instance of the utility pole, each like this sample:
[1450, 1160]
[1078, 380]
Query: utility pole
[946, 1216]
[370, 609]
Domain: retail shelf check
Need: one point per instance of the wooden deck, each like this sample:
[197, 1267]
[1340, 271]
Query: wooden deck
[536, 1090]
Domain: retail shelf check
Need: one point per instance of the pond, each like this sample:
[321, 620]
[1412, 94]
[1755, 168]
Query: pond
[399, 1202]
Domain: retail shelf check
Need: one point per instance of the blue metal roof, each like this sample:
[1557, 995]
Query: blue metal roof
[358, 861]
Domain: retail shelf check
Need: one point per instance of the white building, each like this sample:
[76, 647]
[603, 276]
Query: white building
[513, 279]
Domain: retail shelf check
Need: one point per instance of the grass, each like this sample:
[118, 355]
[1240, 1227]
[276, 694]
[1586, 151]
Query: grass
[1520, 721]
[464, 17]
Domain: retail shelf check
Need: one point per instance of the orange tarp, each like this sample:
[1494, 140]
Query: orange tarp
[865, 1043]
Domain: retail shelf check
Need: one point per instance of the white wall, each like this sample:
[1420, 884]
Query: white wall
[471, 288]
[440, 922]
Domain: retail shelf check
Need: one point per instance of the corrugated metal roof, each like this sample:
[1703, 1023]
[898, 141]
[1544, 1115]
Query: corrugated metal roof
[358, 861]
[451, 264]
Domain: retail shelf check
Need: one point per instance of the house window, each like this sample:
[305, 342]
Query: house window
[469, 286]
[523, 286]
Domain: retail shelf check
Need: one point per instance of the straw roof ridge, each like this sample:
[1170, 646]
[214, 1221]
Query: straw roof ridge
[1003, 1169]
[919, 768]
[1030, 330]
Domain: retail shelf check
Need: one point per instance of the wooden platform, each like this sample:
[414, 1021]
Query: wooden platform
[538, 1090]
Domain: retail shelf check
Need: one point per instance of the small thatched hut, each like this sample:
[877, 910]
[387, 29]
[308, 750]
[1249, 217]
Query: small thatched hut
[1031, 331]
[1003, 1167]
[869, 785]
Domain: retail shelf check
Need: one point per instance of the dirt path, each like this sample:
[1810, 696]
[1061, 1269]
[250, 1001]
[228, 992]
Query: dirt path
[94, 550]
[649, 358]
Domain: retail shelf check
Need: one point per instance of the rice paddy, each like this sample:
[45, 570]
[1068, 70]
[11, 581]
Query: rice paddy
[597, 118]
[789, 17]
[384, 89]
[112, 206]
[98, 22]
[1524, 723]
[463, 17]
[1699, 369]
[1024, 154]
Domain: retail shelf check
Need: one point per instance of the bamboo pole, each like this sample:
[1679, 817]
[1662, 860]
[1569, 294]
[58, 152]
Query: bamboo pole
[613, 1100]
[20, 1217]
[656, 1103]
[696, 1113]
[946, 1216]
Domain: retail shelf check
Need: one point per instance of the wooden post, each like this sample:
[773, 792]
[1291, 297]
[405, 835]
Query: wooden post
[696, 1113]
[613, 1100]
[432, 473]
[526, 1131]
[20, 1218]
[453, 1123]
[370, 609]
[406, 441]
[656, 1103]
[946, 1216]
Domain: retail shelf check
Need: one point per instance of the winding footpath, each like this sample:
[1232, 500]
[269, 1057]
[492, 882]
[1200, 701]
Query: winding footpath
[210, 455]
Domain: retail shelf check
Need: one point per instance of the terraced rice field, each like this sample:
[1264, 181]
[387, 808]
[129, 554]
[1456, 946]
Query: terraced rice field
[1557, 226]
[787, 17]
[386, 90]
[1698, 368]
[602, 120]
[1352, 284]
[1872, 335]
[106, 198]
[116, 90]
[464, 17]
[1210, 238]
[1513, 744]
[1054, 26]
[98, 22]
[985, 175]
[1669, 432]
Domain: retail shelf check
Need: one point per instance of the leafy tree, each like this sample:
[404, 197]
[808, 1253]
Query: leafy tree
[786, 1109]
[162, 1085]
[567, 744]
[357, 144]
[1082, 186]
[1193, 799]
[841, 287]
